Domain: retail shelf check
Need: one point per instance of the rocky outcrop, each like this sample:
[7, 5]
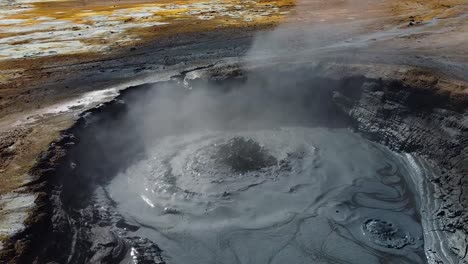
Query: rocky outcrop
[432, 124]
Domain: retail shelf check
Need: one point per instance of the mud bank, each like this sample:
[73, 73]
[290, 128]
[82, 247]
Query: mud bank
[74, 207]
[434, 125]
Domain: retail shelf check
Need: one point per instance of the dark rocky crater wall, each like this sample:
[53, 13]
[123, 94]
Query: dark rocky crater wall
[404, 211]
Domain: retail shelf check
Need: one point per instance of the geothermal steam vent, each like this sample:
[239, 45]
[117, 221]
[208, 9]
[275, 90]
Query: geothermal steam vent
[273, 182]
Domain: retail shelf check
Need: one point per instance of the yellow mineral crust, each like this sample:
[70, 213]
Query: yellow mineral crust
[30, 29]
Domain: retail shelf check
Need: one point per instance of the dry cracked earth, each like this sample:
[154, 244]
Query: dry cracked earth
[62, 58]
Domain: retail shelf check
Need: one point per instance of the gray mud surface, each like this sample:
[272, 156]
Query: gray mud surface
[160, 175]
[331, 197]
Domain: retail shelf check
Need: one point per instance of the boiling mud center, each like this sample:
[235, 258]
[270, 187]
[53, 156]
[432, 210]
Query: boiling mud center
[286, 195]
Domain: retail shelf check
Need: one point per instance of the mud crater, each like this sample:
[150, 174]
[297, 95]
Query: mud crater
[161, 174]
[386, 234]
[244, 155]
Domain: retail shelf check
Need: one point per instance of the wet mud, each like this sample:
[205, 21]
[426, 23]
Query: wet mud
[161, 175]
[331, 196]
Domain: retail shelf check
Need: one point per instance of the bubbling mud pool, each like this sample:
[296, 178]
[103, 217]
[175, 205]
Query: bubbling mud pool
[240, 170]
[276, 195]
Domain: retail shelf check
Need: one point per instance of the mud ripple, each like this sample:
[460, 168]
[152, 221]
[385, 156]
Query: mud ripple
[286, 195]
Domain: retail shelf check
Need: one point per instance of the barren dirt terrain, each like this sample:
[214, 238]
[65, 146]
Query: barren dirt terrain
[59, 58]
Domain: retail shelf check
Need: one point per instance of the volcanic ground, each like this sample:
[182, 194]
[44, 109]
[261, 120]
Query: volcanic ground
[233, 131]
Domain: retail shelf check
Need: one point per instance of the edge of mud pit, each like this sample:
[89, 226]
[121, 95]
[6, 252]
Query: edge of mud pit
[434, 113]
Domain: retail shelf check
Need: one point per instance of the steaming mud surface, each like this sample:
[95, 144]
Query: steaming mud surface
[280, 195]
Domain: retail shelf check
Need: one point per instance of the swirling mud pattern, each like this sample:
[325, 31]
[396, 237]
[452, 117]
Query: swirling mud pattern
[275, 195]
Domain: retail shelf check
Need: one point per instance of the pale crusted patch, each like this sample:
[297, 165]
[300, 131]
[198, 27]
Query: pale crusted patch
[14, 209]
[31, 28]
